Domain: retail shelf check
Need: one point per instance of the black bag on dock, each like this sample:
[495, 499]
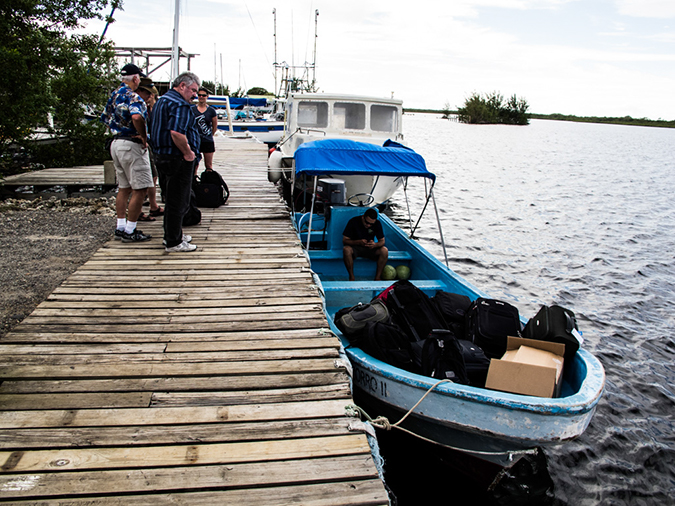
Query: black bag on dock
[412, 310]
[441, 357]
[453, 307]
[489, 322]
[555, 324]
[475, 363]
[211, 177]
[352, 320]
[193, 215]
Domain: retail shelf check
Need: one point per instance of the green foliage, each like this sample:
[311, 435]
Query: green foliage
[216, 88]
[258, 91]
[492, 108]
[625, 120]
[48, 70]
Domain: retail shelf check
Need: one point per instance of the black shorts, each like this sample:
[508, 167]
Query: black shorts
[207, 147]
[362, 251]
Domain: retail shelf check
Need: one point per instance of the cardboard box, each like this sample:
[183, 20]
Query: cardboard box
[528, 367]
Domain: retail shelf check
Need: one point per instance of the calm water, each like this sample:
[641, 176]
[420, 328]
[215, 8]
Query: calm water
[583, 216]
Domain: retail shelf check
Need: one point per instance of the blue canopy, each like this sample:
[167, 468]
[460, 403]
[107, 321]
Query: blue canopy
[347, 157]
[238, 102]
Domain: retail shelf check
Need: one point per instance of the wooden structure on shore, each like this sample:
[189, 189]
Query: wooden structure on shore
[71, 179]
[197, 378]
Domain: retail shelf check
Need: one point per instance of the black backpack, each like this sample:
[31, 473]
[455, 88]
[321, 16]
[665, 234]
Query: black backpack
[386, 342]
[453, 307]
[193, 215]
[413, 311]
[211, 189]
[442, 358]
[488, 324]
[352, 320]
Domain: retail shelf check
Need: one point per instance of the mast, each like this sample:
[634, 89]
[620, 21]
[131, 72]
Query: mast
[316, 30]
[174, 48]
[274, 13]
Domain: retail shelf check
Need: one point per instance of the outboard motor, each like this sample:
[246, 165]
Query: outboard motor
[332, 191]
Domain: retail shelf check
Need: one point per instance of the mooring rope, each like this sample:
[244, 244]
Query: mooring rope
[382, 422]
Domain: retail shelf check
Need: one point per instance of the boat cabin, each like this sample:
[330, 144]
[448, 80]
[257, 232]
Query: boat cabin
[314, 116]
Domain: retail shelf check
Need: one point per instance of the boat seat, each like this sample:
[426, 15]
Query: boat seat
[378, 286]
[333, 254]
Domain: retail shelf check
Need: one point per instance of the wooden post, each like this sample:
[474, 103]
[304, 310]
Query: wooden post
[109, 172]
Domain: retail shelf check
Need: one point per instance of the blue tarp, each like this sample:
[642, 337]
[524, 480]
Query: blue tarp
[347, 157]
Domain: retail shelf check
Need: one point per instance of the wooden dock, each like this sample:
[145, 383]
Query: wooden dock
[70, 179]
[196, 378]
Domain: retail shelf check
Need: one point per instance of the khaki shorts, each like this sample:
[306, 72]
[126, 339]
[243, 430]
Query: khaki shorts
[132, 164]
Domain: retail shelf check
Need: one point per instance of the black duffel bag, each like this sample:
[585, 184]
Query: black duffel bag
[488, 324]
[555, 324]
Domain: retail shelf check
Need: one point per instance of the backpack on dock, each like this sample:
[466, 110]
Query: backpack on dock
[211, 190]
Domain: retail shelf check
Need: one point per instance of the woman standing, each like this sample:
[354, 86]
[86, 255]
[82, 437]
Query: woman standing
[207, 124]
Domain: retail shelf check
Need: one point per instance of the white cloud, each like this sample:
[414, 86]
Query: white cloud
[647, 8]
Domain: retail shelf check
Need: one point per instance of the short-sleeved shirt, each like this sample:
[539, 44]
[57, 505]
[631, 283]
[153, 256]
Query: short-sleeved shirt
[172, 112]
[355, 229]
[121, 106]
[205, 122]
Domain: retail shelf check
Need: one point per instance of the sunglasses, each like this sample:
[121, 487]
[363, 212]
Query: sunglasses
[202, 95]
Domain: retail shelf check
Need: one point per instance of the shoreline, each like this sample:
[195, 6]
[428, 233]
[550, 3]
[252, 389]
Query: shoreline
[42, 242]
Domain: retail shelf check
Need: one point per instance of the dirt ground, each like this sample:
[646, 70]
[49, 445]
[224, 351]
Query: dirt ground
[42, 242]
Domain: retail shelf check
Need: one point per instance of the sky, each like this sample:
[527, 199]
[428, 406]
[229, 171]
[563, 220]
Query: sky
[580, 57]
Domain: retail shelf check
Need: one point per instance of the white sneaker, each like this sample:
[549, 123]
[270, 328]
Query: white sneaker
[182, 247]
[186, 238]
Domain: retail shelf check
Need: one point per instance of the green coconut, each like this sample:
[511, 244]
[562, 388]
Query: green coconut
[388, 273]
[403, 272]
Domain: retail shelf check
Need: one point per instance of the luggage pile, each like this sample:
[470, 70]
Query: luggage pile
[447, 336]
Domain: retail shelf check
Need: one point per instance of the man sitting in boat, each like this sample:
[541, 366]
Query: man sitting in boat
[358, 239]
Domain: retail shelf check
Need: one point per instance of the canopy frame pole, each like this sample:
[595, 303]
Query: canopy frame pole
[440, 229]
[429, 195]
[407, 203]
[311, 213]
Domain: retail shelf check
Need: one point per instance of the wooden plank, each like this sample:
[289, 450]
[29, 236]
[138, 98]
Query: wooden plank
[75, 437]
[234, 481]
[171, 384]
[78, 400]
[190, 335]
[69, 459]
[172, 415]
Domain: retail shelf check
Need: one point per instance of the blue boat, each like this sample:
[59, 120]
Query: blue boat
[491, 425]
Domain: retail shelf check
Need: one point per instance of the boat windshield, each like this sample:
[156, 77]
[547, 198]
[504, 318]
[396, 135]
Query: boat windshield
[383, 118]
[349, 115]
[313, 114]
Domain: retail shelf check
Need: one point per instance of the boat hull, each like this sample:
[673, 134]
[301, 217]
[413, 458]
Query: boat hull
[492, 426]
[269, 132]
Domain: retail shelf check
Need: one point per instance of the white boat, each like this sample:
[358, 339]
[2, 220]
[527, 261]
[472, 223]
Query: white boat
[492, 425]
[319, 116]
[257, 117]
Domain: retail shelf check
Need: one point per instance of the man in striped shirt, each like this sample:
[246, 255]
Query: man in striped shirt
[175, 140]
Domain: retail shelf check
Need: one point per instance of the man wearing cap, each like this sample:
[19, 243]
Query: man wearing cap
[126, 116]
[175, 140]
[148, 93]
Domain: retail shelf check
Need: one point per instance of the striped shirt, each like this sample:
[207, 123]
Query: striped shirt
[172, 112]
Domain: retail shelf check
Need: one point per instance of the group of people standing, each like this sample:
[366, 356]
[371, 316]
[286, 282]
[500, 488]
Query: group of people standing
[158, 138]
